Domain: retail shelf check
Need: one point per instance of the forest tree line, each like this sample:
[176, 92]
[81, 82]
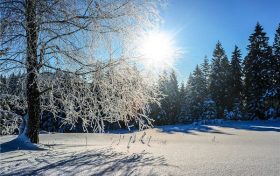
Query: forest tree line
[226, 88]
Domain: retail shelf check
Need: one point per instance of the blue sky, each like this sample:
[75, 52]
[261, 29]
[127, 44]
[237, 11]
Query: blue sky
[199, 24]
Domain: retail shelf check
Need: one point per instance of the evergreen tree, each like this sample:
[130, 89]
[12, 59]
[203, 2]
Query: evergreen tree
[187, 110]
[197, 93]
[276, 60]
[169, 111]
[209, 110]
[3, 84]
[235, 80]
[205, 67]
[257, 69]
[276, 68]
[219, 78]
[14, 84]
[276, 43]
[173, 98]
[159, 114]
[225, 84]
[182, 97]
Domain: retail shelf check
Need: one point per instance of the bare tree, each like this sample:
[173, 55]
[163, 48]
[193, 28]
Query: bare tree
[67, 36]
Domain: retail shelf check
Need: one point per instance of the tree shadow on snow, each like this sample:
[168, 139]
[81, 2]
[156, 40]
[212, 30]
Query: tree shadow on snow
[258, 125]
[91, 162]
[17, 144]
[189, 129]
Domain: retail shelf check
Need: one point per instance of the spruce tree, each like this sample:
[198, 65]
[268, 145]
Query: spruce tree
[187, 109]
[276, 43]
[205, 67]
[276, 67]
[182, 97]
[197, 93]
[257, 65]
[236, 81]
[218, 78]
[3, 84]
[276, 58]
[173, 98]
[159, 114]
[225, 85]
[169, 111]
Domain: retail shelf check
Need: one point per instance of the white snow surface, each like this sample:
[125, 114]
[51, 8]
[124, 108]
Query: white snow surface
[230, 148]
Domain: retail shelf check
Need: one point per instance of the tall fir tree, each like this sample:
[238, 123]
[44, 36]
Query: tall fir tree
[187, 110]
[236, 74]
[182, 98]
[3, 84]
[236, 85]
[257, 65]
[159, 114]
[173, 98]
[197, 93]
[225, 96]
[219, 79]
[276, 67]
[205, 67]
[276, 58]
[169, 111]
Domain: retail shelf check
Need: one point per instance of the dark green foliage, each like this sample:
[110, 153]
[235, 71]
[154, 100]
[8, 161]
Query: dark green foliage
[219, 81]
[257, 69]
[235, 81]
[170, 109]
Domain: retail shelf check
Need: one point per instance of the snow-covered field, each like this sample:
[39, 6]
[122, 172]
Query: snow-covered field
[230, 148]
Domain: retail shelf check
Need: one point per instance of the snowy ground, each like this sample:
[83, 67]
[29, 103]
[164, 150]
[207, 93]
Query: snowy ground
[231, 148]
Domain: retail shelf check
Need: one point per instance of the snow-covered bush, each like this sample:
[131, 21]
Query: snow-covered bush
[271, 113]
[9, 122]
[209, 110]
[12, 107]
[235, 114]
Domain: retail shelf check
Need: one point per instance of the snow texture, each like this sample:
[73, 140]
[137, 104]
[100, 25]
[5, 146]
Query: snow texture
[228, 148]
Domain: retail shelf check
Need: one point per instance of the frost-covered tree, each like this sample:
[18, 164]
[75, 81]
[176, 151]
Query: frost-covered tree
[3, 84]
[276, 66]
[173, 98]
[225, 73]
[111, 96]
[196, 94]
[40, 36]
[182, 98]
[205, 67]
[271, 74]
[235, 80]
[219, 79]
[186, 115]
[209, 110]
[257, 69]
[170, 109]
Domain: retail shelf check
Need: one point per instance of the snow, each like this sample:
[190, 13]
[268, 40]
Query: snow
[228, 148]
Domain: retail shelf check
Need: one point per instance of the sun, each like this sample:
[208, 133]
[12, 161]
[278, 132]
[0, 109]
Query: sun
[157, 50]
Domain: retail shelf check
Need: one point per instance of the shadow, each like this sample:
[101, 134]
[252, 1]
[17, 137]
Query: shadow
[17, 144]
[121, 131]
[258, 125]
[91, 162]
[189, 129]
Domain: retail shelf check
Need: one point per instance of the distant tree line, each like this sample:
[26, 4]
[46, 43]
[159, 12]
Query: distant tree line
[235, 88]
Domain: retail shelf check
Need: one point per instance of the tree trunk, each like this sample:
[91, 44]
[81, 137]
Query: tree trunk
[33, 95]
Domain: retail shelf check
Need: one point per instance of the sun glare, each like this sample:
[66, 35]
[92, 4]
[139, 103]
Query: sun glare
[157, 50]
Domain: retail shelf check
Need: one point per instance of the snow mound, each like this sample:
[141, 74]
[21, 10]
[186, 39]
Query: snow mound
[19, 143]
